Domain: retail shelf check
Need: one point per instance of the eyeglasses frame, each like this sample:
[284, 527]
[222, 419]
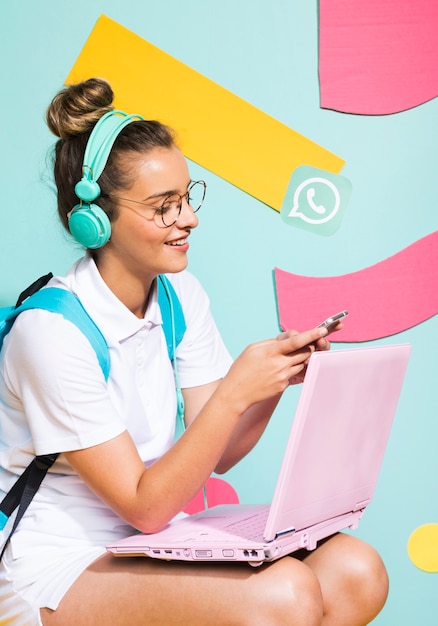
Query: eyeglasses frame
[159, 209]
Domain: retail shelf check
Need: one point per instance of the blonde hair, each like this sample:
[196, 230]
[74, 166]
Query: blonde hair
[76, 108]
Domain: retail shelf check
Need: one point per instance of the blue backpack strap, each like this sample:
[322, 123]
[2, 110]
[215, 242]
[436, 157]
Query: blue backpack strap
[5, 322]
[174, 327]
[174, 324]
[61, 301]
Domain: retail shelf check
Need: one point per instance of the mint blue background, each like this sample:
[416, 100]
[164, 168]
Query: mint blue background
[267, 53]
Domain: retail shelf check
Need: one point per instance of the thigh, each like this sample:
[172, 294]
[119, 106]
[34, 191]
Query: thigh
[118, 591]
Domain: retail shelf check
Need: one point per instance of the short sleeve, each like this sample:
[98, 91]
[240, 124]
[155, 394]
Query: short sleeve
[52, 375]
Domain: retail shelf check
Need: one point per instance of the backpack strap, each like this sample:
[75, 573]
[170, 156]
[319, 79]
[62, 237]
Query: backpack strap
[38, 284]
[174, 325]
[23, 492]
[57, 300]
[6, 317]
[61, 301]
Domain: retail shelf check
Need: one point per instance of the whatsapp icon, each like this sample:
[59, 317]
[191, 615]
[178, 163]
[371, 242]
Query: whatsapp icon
[315, 200]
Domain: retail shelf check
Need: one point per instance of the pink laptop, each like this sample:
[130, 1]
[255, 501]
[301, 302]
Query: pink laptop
[328, 474]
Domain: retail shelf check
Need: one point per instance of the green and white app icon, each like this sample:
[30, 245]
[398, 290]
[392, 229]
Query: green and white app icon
[315, 200]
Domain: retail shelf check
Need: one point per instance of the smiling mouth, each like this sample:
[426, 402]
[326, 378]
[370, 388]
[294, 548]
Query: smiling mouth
[177, 242]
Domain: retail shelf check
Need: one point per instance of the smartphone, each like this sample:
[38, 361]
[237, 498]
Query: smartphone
[331, 321]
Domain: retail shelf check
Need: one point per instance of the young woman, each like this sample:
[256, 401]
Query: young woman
[119, 469]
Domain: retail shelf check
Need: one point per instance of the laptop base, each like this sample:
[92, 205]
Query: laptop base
[230, 547]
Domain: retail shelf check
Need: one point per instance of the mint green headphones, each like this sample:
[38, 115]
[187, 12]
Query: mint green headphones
[88, 223]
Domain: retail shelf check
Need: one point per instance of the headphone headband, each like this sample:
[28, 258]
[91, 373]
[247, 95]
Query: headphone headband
[88, 223]
[97, 151]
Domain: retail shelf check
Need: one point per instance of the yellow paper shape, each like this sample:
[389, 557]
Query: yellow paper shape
[217, 129]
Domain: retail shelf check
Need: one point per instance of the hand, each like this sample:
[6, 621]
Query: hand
[321, 344]
[265, 369]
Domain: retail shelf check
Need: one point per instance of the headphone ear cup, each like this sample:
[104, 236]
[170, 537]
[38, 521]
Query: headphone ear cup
[89, 225]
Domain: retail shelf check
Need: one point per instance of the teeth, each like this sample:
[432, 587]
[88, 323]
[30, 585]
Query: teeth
[180, 242]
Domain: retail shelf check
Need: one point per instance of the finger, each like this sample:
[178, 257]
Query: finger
[322, 344]
[286, 334]
[297, 374]
[299, 359]
[300, 340]
[336, 327]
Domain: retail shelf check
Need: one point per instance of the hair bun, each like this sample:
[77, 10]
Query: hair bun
[76, 108]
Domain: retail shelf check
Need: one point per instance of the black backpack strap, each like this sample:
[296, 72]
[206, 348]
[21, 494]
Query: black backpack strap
[24, 490]
[35, 286]
[27, 485]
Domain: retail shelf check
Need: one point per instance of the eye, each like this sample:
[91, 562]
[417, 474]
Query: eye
[170, 204]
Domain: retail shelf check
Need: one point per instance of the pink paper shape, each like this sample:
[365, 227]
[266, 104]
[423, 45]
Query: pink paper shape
[379, 56]
[218, 492]
[383, 299]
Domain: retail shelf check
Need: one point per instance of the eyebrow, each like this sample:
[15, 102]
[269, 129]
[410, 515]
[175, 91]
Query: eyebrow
[165, 194]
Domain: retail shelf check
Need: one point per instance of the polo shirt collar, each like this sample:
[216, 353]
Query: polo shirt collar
[114, 319]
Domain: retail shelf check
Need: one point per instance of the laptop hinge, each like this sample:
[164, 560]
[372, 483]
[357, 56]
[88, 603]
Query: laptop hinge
[361, 505]
[282, 533]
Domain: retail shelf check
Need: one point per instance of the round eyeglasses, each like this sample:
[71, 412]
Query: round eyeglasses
[169, 211]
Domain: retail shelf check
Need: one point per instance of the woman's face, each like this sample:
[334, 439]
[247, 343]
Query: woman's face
[139, 243]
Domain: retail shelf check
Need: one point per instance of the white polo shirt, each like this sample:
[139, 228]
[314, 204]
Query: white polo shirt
[53, 397]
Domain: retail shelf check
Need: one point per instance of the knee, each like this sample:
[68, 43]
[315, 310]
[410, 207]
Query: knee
[288, 594]
[367, 576]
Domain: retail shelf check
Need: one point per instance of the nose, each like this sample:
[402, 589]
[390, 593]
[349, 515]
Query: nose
[187, 216]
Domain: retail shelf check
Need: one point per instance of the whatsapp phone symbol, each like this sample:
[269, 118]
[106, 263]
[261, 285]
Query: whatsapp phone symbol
[315, 200]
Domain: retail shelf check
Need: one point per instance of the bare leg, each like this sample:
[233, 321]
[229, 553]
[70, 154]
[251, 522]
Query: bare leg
[138, 591]
[342, 583]
[353, 580]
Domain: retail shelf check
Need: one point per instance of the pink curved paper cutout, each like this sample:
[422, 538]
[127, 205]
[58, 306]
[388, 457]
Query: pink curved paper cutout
[377, 57]
[218, 492]
[383, 299]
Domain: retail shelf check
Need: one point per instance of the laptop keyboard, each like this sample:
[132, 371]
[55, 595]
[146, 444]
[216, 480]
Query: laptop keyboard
[250, 527]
